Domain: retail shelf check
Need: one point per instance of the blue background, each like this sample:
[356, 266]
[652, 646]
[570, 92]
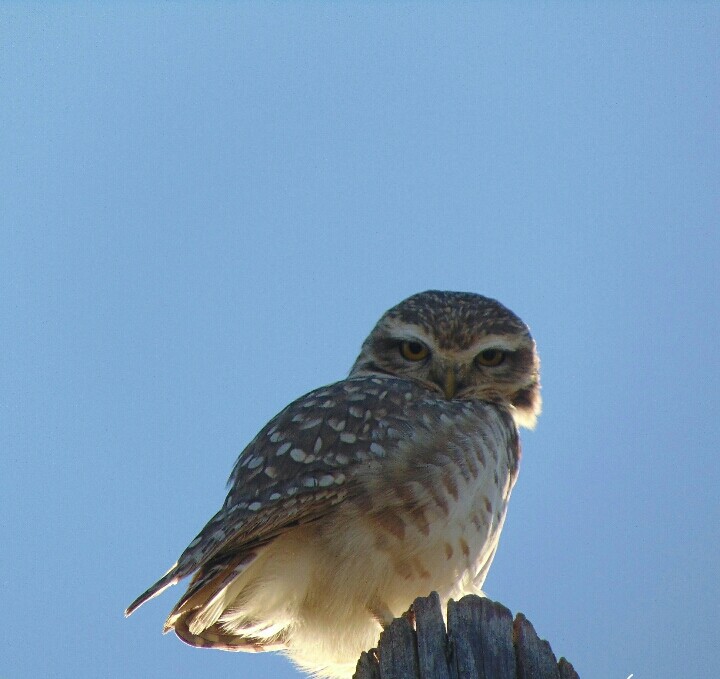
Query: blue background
[205, 208]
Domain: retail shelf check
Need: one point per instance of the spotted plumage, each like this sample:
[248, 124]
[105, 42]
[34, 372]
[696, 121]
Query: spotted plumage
[364, 494]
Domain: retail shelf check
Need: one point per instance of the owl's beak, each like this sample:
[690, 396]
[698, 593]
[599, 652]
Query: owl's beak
[450, 383]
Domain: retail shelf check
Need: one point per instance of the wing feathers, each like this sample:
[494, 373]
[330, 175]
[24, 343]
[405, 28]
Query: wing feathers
[205, 593]
[215, 637]
[170, 578]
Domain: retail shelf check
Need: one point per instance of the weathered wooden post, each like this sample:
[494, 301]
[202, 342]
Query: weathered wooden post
[481, 642]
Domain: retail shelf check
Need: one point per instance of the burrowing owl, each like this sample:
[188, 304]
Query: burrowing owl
[364, 494]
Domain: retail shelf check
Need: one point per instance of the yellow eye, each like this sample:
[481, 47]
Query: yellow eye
[490, 357]
[413, 351]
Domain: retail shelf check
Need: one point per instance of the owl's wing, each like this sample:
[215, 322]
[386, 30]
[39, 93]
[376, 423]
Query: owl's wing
[321, 450]
[293, 472]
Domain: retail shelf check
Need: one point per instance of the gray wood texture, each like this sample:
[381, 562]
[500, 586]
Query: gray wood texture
[368, 666]
[567, 671]
[432, 639]
[480, 632]
[399, 658]
[534, 655]
[481, 642]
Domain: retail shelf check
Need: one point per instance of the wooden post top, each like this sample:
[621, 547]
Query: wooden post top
[482, 641]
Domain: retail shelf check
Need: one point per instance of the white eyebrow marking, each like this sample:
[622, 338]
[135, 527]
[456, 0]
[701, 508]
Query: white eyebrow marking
[504, 342]
[410, 332]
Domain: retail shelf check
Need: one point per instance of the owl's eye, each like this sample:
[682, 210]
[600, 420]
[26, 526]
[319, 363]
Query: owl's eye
[413, 351]
[490, 357]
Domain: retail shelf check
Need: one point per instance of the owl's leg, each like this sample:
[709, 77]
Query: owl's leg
[382, 614]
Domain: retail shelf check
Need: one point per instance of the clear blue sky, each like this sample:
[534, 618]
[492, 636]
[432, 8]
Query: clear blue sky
[203, 210]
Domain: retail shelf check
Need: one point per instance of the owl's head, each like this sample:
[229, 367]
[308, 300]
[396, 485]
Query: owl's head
[460, 345]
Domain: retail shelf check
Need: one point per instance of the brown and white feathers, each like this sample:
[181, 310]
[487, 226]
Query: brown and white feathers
[364, 494]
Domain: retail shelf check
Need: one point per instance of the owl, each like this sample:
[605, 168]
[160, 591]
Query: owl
[364, 494]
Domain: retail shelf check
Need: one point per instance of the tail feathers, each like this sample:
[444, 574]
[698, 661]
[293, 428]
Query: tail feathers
[172, 577]
[204, 599]
[197, 618]
[215, 637]
[200, 549]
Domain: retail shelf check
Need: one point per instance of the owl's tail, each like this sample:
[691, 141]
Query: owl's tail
[172, 577]
[216, 637]
[202, 549]
[208, 616]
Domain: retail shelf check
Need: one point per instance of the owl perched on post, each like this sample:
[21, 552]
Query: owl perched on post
[365, 494]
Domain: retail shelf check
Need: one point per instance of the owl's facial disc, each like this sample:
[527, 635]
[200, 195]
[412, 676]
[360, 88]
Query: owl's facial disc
[459, 346]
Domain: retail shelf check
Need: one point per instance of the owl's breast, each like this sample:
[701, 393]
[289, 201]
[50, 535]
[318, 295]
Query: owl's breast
[431, 511]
